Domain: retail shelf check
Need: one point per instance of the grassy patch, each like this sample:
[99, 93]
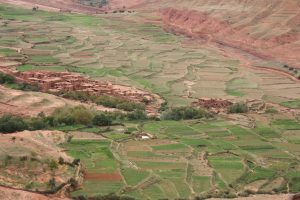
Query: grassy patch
[9, 12]
[160, 165]
[231, 168]
[294, 181]
[95, 155]
[266, 132]
[47, 68]
[291, 104]
[7, 52]
[286, 124]
[201, 183]
[235, 86]
[196, 142]
[154, 192]
[43, 59]
[146, 154]
[97, 188]
[259, 173]
[169, 147]
[133, 177]
[97, 72]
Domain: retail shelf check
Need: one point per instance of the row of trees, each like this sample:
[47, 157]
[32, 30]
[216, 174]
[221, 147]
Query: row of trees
[78, 115]
[184, 113]
[104, 100]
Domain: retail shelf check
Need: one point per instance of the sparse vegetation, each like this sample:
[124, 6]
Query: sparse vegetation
[107, 101]
[238, 108]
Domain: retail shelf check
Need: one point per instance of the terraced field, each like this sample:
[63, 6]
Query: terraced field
[193, 158]
[221, 157]
[119, 49]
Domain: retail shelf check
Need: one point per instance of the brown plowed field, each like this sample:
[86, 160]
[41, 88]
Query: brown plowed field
[103, 177]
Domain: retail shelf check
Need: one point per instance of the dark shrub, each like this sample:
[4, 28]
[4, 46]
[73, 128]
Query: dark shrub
[129, 106]
[4, 78]
[73, 115]
[28, 87]
[238, 108]
[137, 115]
[184, 113]
[102, 120]
[10, 124]
[37, 124]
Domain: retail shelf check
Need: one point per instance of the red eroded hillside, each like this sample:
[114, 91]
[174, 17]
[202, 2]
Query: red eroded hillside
[269, 29]
[283, 47]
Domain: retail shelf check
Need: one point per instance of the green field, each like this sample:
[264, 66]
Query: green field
[186, 158]
[291, 104]
[146, 57]
[156, 169]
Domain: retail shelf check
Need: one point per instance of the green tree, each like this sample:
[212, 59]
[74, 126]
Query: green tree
[73, 115]
[37, 124]
[102, 120]
[238, 108]
[4, 78]
[137, 115]
[82, 115]
[10, 124]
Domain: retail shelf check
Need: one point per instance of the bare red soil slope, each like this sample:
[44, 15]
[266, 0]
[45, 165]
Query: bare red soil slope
[272, 33]
[269, 29]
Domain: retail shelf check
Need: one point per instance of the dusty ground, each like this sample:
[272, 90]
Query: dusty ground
[31, 103]
[38, 147]
[43, 143]
[12, 194]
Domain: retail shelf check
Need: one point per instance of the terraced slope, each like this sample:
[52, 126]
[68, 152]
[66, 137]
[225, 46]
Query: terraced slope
[122, 49]
[268, 29]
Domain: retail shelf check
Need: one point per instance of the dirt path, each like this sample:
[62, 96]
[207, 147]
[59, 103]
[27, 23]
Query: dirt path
[278, 71]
